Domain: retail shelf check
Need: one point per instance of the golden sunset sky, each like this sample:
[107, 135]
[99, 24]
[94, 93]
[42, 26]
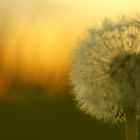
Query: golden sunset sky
[43, 33]
[58, 24]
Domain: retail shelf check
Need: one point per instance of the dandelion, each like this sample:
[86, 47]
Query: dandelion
[106, 73]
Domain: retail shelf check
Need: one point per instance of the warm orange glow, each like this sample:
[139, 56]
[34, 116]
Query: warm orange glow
[39, 42]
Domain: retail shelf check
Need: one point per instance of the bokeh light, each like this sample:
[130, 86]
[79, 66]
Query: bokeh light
[37, 37]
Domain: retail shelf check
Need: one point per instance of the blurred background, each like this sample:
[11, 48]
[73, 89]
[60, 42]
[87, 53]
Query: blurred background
[37, 38]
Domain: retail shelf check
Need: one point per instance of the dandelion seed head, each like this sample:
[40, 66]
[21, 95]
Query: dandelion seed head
[106, 70]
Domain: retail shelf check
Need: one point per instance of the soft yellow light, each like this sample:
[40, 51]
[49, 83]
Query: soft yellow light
[43, 37]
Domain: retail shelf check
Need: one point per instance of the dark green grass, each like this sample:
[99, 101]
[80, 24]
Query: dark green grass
[43, 118]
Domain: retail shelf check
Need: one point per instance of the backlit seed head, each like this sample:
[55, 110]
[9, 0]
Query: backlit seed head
[106, 70]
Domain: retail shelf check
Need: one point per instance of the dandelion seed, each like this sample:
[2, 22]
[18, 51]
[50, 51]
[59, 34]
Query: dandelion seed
[106, 72]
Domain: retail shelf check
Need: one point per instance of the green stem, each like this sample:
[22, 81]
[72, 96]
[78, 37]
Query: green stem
[131, 126]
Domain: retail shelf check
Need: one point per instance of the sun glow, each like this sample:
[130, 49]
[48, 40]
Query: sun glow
[40, 39]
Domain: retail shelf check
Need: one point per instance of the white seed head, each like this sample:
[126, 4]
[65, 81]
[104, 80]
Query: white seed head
[106, 70]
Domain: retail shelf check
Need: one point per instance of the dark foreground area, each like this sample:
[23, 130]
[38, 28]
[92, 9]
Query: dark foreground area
[50, 118]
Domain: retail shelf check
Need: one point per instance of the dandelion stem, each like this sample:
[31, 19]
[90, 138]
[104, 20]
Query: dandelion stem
[131, 126]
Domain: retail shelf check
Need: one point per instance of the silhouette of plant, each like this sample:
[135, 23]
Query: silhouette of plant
[106, 72]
